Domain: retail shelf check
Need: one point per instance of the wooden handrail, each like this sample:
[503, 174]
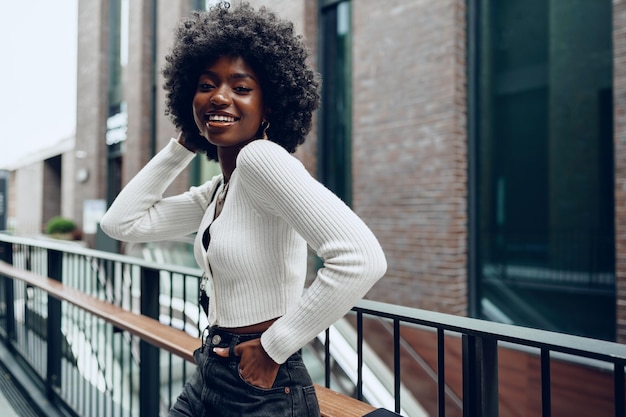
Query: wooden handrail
[148, 329]
[332, 403]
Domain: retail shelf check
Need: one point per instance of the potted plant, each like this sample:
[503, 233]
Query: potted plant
[61, 228]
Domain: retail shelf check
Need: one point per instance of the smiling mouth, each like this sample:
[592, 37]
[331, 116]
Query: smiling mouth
[219, 119]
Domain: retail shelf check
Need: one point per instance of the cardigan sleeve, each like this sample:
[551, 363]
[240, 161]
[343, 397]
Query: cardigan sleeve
[141, 214]
[353, 258]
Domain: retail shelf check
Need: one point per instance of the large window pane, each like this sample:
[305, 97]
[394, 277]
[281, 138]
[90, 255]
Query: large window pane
[545, 171]
[334, 142]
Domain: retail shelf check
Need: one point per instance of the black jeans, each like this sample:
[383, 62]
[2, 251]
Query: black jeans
[217, 390]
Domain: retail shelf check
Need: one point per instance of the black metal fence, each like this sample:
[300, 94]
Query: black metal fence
[95, 369]
[85, 363]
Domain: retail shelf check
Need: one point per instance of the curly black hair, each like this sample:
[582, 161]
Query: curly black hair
[269, 45]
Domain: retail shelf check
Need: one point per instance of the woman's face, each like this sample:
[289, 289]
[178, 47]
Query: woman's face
[228, 103]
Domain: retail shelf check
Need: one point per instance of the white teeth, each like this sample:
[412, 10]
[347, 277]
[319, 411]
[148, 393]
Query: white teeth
[220, 118]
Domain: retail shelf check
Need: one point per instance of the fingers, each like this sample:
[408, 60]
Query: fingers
[223, 352]
[240, 348]
[255, 366]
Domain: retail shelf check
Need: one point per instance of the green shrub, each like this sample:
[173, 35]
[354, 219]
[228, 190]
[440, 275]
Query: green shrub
[60, 225]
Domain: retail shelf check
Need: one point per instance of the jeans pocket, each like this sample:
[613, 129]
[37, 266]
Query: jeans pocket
[277, 388]
[310, 400]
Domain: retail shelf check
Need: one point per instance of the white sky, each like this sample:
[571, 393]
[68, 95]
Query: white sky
[37, 75]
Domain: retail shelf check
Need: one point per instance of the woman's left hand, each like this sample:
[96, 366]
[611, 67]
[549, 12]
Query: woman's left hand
[255, 366]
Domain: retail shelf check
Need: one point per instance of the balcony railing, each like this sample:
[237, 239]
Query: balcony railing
[95, 369]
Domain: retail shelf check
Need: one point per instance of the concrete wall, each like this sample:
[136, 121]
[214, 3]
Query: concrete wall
[29, 187]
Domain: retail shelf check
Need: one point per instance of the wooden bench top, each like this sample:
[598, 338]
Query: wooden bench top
[332, 403]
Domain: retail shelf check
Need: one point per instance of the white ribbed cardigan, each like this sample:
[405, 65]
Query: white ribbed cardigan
[258, 247]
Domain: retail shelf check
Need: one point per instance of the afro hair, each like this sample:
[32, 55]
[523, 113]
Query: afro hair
[269, 45]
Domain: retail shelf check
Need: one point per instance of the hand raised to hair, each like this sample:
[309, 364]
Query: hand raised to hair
[255, 366]
[182, 141]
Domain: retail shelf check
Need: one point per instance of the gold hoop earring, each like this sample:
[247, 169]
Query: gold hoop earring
[264, 126]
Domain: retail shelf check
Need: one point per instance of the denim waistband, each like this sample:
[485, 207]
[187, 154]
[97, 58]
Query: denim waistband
[217, 337]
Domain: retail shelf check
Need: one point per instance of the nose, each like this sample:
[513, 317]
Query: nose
[220, 97]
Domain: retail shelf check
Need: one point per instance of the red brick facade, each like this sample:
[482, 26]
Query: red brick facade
[409, 146]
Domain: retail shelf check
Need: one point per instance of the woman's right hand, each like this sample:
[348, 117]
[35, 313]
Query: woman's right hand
[181, 140]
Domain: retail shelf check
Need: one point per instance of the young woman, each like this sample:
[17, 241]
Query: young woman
[241, 91]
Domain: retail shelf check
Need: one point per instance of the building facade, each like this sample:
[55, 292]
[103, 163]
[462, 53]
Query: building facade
[483, 141]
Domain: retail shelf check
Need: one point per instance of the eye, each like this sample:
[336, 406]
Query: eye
[242, 89]
[205, 86]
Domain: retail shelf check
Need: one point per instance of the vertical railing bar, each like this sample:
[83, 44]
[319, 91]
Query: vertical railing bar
[469, 375]
[120, 349]
[489, 403]
[79, 382]
[169, 356]
[131, 381]
[72, 377]
[149, 380]
[169, 382]
[130, 351]
[99, 335]
[103, 269]
[100, 394]
[327, 358]
[83, 322]
[171, 315]
[359, 347]
[54, 336]
[184, 278]
[110, 280]
[170, 360]
[618, 379]
[171, 294]
[441, 378]
[396, 363]
[6, 254]
[546, 407]
[94, 386]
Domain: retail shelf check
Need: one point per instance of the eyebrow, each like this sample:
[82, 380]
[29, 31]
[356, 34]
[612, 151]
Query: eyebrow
[237, 75]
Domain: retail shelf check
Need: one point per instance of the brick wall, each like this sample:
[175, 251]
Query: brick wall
[138, 89]
[91, 102]
[169, 14]
[409, 146]
[619, 94]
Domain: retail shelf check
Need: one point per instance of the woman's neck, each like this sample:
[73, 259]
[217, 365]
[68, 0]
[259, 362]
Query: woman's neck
[227, 157]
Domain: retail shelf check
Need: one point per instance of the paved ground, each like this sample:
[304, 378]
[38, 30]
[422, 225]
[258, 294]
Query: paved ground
[19, 396]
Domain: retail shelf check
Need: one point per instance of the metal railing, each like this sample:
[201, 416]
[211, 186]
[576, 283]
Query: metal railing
[88, 365]
[95, 369]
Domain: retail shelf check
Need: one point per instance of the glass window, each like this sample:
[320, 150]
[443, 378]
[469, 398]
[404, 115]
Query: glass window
[544, 164]
[335, 114]
[117, 119]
